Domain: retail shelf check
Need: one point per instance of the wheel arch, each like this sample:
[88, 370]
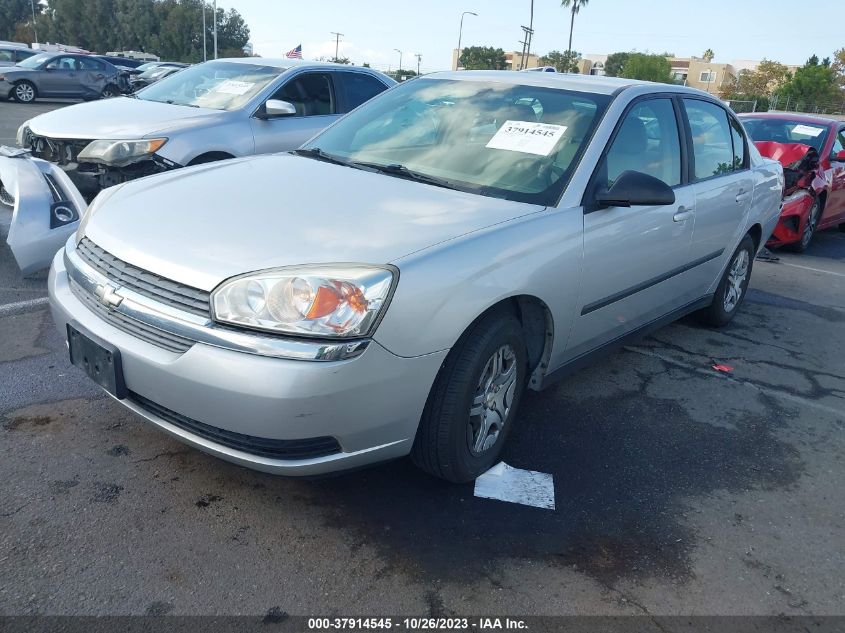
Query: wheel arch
[756, 233]
[210, 157]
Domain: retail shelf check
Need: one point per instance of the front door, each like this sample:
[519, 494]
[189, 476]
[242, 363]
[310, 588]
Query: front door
[635, 257]
[723, 185]
[60, 77]
[313, 96]
[834, 209]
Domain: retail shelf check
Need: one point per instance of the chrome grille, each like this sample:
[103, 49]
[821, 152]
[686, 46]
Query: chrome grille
[154, 336]
[144, 282]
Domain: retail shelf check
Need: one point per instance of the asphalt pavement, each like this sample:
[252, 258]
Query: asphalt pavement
[679, 489]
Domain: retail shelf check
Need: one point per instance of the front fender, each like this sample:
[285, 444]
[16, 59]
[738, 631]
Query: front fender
[46, 207]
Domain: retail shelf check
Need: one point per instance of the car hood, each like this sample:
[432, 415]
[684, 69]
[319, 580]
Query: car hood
[201, 225]
[120, 118]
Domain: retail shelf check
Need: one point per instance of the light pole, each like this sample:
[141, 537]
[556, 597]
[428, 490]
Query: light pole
[460, 33]
[215, 29]
[34, 25]
[399, 72]
[337, 37]
[419, 58]
[204, 46]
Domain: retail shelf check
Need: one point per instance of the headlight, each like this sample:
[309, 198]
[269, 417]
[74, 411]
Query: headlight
[22, 130]
[120, 153]
[328, 301]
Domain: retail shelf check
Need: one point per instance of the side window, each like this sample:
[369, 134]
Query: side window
[7, 56]
[62, 63]
[89, 64]
[311, 94]
[712, 147]
[359, 87]
[647, 142]
[738, 139]
[838, 143]
[22, 55]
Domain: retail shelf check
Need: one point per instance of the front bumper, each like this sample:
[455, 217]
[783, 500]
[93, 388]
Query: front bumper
[6, 89]
[793, 218]
[370, 404]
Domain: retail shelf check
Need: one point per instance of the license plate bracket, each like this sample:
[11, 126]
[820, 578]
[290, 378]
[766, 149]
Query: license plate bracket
[98, 359]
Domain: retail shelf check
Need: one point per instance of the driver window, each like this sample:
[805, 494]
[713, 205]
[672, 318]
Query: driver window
[648, 142]
[62, 63]
[310, 94]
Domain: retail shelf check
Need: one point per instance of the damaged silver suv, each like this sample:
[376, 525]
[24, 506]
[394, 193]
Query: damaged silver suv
[220, 109]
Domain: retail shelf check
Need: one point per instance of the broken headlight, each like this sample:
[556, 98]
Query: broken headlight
[120, 153]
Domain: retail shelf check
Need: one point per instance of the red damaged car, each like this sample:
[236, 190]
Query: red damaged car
[812, 152]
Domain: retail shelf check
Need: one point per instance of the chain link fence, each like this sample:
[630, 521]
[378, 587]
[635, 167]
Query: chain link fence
[791, 104]
[742, 106]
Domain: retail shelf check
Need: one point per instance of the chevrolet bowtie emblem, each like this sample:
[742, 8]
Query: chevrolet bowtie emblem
[108, 296]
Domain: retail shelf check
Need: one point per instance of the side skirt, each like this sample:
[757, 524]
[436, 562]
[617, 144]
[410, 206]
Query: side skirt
[587, 358]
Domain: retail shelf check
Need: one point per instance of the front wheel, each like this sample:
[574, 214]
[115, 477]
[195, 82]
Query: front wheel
[732, 288]
[473, 404]
[24, 92]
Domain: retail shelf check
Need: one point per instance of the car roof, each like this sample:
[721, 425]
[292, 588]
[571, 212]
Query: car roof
[789, 116]
[596, 84]
[284, 63]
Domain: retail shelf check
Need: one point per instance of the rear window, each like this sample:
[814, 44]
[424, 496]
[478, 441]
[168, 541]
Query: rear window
[786, 131]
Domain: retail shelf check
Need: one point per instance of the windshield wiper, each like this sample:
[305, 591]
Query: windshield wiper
[318, 154]
[401, 171]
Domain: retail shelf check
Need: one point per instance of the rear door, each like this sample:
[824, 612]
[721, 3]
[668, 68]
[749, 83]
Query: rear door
[723, 184]
[636, 259]
[314, 96]
[93, 76]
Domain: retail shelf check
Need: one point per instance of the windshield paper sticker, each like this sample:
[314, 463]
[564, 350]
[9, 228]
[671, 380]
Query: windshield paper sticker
[231, 87]
[806, 130]
[527, 137]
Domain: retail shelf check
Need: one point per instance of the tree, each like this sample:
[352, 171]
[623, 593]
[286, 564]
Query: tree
[483, 58]
[838, 66]
[647, 68]
[708, 55]
[563, 62]
[614, 63]
[812, 85]
[764, 81]
[13, 12]
[574, 7]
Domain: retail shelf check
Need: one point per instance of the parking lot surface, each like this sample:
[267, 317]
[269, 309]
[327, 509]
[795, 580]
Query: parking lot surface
[679, 489]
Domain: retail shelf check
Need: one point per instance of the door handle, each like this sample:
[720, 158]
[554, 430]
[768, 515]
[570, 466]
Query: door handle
[683, 214]
[742, 196]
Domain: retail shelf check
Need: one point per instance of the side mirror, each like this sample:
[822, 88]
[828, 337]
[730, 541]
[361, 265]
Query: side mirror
[634, 188]
[839, 156]
[275, 108]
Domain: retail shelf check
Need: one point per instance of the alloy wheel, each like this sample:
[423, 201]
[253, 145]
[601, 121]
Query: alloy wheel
[24, 93]
[737, 276]
[493, 400]
[810, 226]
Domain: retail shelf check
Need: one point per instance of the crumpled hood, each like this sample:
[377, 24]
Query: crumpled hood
[201, 225]
[119, 118]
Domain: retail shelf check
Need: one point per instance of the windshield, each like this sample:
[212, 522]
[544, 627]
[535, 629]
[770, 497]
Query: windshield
[35, 60]
[497, 139]
[786, 131]
[148, 66]
[158, 71]
[216, 85]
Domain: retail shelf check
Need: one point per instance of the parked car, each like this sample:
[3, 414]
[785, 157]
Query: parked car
[11, 55]
[396, 284]
[817, 199]
[151, 76]
[145, 67]
[116, 60]
[64, 75]
[211, 111]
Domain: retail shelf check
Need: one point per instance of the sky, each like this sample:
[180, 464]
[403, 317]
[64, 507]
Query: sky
[373, 29]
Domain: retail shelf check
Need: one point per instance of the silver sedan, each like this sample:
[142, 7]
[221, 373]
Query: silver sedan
[396, 286]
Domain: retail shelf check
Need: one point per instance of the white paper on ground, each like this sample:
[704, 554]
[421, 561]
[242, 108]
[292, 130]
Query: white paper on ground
[806, 130]
[528, 137]
[527, 487]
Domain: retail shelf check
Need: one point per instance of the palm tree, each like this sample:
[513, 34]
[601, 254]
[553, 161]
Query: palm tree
[575, 7]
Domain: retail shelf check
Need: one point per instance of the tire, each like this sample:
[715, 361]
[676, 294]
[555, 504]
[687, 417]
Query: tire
[24, 92]
[726, 302]
[451, 441]
[809, 229]
[109, 92]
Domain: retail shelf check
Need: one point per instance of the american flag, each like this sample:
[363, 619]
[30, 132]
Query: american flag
[295, 53]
